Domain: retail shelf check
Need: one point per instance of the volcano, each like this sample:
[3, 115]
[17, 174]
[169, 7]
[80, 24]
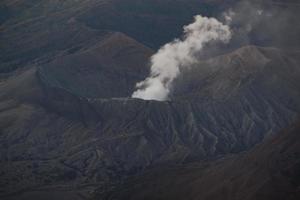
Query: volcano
[69, 128]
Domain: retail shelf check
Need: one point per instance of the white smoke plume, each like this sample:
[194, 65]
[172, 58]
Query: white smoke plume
[181, 53]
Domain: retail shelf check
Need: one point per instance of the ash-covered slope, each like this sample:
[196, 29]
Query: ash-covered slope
[53, 139]
[270, 171]
[108, 68]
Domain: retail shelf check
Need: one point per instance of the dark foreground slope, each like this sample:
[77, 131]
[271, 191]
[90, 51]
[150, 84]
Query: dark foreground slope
[271, 171]
[59, 141]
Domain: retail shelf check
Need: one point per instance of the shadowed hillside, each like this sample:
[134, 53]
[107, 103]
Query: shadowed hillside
[269, 171]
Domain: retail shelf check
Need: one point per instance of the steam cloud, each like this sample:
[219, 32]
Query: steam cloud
[181, 53]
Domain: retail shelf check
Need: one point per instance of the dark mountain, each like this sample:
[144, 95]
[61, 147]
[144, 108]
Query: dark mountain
[67, 68]
[270, 171]
[109, 68]
[53, 136]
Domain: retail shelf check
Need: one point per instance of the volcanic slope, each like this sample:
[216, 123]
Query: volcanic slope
[269, 171]
[56, 138]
